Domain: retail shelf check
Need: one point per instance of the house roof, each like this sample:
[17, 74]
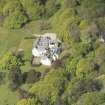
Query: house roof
[47, 47]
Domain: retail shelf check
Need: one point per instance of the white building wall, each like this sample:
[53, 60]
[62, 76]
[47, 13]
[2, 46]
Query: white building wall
[46, 62]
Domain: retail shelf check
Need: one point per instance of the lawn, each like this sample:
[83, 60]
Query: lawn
[7, 97]
[14, 39]
[10, 39]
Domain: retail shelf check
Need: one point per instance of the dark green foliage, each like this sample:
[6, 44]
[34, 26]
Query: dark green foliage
[72, 65]
[15, 20]
[51, 7]
[49, 89]
[79, 87]
[30, 101]
[16, 13]
[78, 78]
[31, 76]
[9, 60]
[12, 6]
[92, 9]
[71, 3]
[100, 52]
[33, 9]
[23, 93]
[93, 98]
[2, 78]
[15, 77]
[66, 28]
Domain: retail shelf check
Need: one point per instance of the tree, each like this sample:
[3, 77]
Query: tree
[51, 7]
[66, 29]
[31, 76]
[85, 66]
[77, 87]
[72, 65]
[12, 6]
[15, 77]
[92, 98]
[49, 89]
[29, 101]
[33, 8]
[71, 3]
[92, 9]
[15, 20]
[9, 60]
[100, 52]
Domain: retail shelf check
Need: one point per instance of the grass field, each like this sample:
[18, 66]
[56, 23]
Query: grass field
[8, 40]
[14, 39]
[7, 97]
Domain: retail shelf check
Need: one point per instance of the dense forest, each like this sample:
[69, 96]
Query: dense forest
[78, 77]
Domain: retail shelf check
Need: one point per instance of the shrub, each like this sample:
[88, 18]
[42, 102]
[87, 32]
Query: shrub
[71, 3]
[66, 29]
[2, 77]
[23, 93]
[12, 6]
[84, 24]
[84, 67]
[89, 31]
[92, 9]
[15, 20]
[51, 7]
[72, 65]
[78, 87]
[32, 76]
[33, 8]
[9, 60]
[49, 89]
[15, 77]
[29, 101]
[99, 55]
[92, 98]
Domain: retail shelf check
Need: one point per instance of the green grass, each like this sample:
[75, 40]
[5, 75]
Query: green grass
[14, 39]
[10, 39]
[7, 97]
